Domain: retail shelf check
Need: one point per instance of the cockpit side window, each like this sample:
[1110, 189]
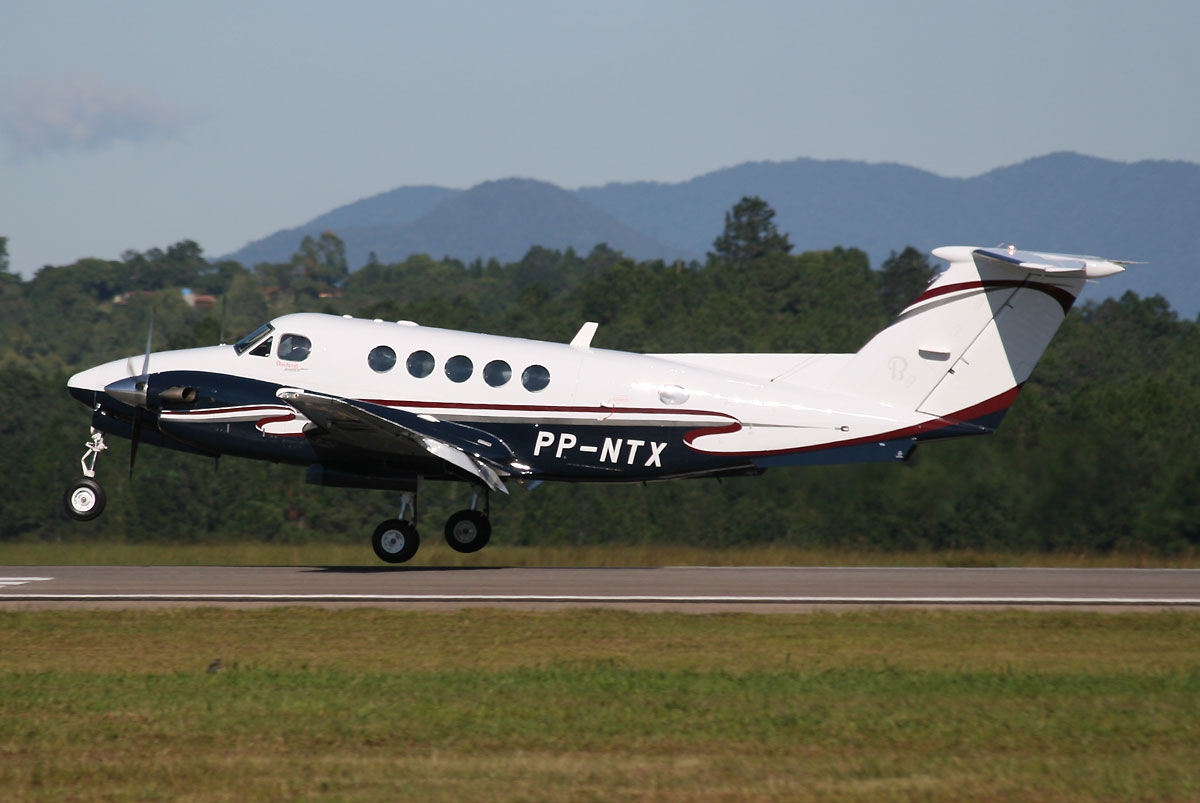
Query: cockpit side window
[263, 349]
[243, 345]
[294, 348]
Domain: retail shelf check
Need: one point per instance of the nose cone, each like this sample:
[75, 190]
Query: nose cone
[117, 381]
[88, 386]
[130, 390]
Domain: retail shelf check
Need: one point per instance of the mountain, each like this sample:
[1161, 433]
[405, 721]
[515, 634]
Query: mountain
[395, 207]
[1145, 211]
[500, 219]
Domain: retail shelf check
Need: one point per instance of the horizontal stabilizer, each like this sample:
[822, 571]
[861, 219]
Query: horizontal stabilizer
[1046, 264]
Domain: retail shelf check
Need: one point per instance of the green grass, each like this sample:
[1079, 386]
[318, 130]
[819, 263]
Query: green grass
[436, 553]
[370, 704]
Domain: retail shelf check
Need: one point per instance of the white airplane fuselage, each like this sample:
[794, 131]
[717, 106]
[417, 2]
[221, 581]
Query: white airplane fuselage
[379, 404]
[603, 415]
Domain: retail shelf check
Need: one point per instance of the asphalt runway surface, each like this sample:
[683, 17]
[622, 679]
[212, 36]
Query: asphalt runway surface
[683, 588]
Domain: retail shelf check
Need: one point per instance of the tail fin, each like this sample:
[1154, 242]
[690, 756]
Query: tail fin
[963, 349]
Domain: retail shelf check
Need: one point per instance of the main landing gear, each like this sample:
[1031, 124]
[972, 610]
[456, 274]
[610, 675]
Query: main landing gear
[85, 499]
[396, 540]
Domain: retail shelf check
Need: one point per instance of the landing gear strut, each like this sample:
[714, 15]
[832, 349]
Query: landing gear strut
[85, 499]
[396, 540]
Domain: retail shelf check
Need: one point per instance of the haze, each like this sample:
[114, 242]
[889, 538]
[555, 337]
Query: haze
[130, 125]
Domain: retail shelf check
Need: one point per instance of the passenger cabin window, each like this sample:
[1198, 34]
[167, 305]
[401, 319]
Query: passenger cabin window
[382, 359]
[535, 378]
[459, 368]
[420, 364]
[497, 373]
[294, 348]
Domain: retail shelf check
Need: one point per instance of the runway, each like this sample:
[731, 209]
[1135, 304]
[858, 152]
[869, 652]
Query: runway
[684, 588]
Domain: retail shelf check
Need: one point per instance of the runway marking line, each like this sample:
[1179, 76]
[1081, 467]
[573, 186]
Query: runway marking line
[9, 582]
[606, 599]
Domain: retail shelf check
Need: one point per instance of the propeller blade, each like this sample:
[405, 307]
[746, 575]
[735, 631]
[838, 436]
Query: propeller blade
[149, 345]
[143, 386]
[138, 413]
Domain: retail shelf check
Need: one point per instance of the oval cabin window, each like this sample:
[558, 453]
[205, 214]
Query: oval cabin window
[420, 364]
[535, 378]
[497, 373]
[382, 359]
[459, 368]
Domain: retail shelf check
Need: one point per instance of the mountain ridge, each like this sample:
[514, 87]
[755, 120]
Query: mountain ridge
[1062, 201]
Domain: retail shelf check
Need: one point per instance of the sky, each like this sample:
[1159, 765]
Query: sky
[133, 125]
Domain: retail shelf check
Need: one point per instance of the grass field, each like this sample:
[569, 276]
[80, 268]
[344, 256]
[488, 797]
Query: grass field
[370, 704]
[436, 553]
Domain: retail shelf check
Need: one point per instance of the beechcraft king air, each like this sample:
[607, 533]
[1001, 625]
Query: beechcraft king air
[373, 404]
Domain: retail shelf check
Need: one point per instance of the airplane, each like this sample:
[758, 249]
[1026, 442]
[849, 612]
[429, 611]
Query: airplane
[388, 405]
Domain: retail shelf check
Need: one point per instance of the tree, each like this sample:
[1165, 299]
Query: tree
[902, 279]
[321, 263]
[6, 278]
[600, 259]
[750, 234]
[182, 265]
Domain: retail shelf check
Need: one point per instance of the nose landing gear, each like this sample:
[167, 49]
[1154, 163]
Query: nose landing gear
[84, 499]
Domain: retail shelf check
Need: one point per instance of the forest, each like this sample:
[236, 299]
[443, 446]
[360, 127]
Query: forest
[1098, 454]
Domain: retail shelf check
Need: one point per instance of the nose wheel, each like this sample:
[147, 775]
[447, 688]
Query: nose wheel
[85, 499]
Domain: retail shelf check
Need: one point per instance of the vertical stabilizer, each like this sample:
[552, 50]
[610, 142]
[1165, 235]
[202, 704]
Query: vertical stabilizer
[962, 350]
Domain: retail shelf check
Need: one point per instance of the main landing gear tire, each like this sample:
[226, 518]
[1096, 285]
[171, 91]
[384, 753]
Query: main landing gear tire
[468, 531]
[395, 541]
[84, 499]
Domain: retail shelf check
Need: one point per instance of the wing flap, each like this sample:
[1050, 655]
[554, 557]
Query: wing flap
[376, 427]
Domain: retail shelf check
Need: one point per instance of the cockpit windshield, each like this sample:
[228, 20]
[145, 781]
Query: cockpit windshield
[247, 342]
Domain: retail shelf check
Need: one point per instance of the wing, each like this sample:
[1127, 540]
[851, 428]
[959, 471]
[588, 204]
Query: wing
[379, 428]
